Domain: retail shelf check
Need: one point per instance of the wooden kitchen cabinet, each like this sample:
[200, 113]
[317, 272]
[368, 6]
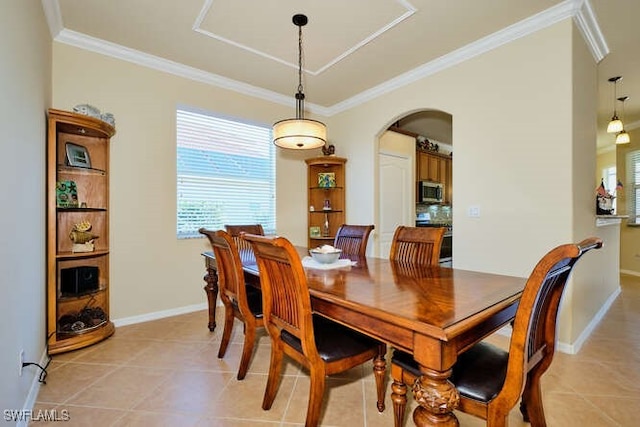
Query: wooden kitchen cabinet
[326, 199]
[78, 266]
[435, 167]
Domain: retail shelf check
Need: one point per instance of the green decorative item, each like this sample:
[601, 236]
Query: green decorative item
[66, 194]
[326, 180]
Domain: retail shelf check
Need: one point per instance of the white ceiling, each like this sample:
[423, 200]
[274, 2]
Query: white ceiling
[353, 50]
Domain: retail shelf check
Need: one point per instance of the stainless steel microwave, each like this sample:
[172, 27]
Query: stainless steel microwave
[430, 192]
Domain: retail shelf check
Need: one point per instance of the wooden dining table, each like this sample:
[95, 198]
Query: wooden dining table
[434, 313]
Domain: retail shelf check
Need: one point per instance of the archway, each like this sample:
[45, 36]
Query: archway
[396, 164]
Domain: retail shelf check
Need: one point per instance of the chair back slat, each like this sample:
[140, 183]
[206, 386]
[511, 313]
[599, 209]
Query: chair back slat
[244, 247]
[534, 328]
[286, 298]
[352, 239]
[417, 245]
[229, 267]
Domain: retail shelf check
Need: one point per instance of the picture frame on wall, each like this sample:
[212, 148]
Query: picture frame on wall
[77, 155]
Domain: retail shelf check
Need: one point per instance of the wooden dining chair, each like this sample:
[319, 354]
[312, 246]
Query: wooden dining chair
[417, 245]
[240, 301]
[490, 380]
[352, 239]
[322, 346]
[244, 248]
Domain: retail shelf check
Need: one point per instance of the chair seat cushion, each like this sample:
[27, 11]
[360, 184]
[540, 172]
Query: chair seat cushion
[254, 300]
[333, 340]
[478, 374]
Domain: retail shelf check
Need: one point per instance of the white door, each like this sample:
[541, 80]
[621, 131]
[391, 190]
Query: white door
[395, 198]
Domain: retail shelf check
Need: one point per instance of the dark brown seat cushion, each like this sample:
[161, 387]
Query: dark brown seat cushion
[333, 340]
[478, 374]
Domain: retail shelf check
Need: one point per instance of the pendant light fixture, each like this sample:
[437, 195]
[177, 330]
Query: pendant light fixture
[623, 137]
[615, 125]
[299, 133]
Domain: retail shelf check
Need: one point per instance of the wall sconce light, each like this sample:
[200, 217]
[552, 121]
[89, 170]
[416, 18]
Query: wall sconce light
[615, 125]
[623, 137]
[299, 133]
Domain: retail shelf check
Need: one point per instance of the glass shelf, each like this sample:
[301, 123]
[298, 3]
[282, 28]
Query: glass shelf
[59, 209]
[79, 170]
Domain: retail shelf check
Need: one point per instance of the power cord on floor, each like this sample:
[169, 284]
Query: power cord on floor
[43, 370]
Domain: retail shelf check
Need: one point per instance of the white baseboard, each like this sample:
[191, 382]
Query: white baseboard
[630, 272]
[574, 348]
[159, 314]
[586, 333]
[32, 396]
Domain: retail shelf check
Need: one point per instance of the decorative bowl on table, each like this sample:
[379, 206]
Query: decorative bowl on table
[325, 254]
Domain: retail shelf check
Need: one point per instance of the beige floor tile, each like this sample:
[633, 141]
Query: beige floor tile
[68, 379]
[147, 419]
[82, 416]
[120, 389]
[186, 392]
[570, 410]
[168, 373]
[243, 399]
[623, 411]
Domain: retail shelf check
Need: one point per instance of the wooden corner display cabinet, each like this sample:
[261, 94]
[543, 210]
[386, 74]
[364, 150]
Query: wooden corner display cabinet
[326, 199]
[77, 231]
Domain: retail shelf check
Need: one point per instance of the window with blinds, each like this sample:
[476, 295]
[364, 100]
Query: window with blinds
[633, 180]
[225, 173]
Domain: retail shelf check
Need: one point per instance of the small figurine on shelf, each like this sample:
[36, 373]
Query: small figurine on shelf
[329, 150]
[325, 226]
[604, 200]
[327, 205]
[82, 238]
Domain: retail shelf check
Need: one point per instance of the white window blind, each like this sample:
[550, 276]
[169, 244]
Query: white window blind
[633, 182]
[225, 173]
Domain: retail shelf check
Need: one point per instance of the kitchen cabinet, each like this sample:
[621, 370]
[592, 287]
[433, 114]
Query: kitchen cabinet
[326, 198]
[431, 166]
[77, 231]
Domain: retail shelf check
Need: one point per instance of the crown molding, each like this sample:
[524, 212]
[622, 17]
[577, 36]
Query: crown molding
[530, 25]
[54, 16]
[579, 10]
[632, 126]
[587, 23]
[117, 51]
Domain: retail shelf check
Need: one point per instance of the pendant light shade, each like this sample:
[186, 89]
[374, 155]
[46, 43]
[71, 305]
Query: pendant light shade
[623, 137]
[615, 125]
[299, 133]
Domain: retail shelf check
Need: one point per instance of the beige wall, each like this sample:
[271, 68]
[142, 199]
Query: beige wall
[629, 235]
[151, 270]
[596, 278]
[518, 157]
[25, 84]
[524, 138]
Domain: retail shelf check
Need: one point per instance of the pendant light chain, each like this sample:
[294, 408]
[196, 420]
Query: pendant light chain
[299, 133]
[300, 94]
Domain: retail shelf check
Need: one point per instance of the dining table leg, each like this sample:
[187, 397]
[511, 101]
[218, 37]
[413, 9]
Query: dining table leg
[211, 289]
[437, 398]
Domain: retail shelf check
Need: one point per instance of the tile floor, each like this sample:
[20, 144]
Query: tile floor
[166, 373]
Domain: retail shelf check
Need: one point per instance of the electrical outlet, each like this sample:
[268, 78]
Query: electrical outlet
[20, 361]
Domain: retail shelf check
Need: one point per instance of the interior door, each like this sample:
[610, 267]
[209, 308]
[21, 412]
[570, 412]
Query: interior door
[396, 204]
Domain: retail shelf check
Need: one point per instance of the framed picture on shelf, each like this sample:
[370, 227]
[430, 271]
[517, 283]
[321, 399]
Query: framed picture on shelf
[314, 231]
[66, 194]
[326, 180]
[77, 155]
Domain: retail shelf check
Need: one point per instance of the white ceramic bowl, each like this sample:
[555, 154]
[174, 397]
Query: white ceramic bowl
[325, 257]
